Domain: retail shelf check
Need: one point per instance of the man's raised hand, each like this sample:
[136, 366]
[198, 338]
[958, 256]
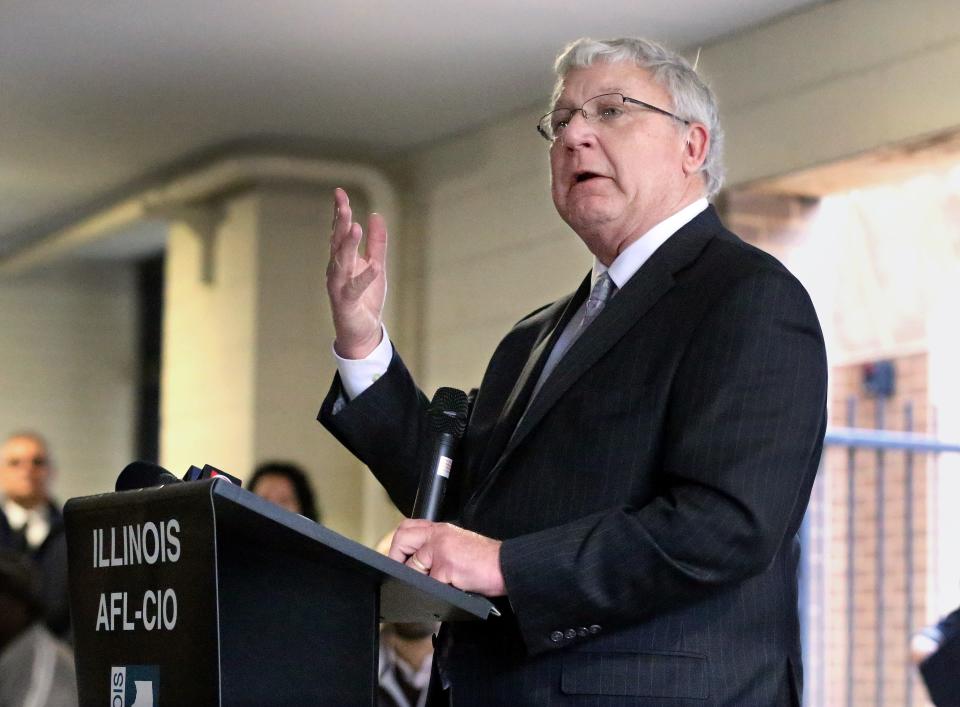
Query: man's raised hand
[356, 284]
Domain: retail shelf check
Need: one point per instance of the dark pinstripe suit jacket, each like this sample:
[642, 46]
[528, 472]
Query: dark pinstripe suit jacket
[650, 497]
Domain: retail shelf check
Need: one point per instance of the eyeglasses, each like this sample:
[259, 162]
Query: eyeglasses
[608, 108]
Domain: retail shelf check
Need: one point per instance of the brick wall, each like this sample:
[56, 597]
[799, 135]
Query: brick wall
[888, 516]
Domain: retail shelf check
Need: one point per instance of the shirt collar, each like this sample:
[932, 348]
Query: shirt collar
[36, 520]
[419, 678]
[17, 515]
[637, 253]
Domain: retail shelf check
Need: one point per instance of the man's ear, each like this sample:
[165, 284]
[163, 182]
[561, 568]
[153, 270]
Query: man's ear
[695, 148]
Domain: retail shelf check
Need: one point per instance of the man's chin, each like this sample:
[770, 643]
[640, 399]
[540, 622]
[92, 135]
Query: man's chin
[589, 220]
[26, 501]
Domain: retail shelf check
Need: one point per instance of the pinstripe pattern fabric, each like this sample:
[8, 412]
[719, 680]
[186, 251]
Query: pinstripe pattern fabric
[650, 496]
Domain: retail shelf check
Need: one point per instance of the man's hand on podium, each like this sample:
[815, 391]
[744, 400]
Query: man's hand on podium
[450, 554]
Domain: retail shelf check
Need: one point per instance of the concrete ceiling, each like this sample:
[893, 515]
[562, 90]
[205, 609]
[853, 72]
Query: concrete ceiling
[97, 94]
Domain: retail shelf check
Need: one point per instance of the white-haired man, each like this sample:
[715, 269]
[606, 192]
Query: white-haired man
[641, 452]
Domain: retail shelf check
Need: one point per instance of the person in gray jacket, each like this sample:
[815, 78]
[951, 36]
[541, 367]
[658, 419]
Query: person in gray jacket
[36, 669]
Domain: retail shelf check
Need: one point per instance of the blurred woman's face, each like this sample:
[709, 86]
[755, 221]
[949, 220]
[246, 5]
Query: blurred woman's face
[278, 489]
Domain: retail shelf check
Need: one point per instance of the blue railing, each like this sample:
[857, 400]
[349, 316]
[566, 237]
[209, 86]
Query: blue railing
[813, 581]
[885, 439]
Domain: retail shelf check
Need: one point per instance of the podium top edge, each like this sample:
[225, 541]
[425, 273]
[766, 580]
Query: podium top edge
[474, 604]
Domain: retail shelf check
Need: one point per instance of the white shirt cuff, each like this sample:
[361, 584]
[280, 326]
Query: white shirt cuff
[358, 374]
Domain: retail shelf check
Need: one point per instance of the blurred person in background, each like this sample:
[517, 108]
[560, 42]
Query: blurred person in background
[286, 485]
[406, 657]
[31, 524]
[36, 669]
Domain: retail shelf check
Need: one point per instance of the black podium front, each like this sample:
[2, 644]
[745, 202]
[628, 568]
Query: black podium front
[204, 594]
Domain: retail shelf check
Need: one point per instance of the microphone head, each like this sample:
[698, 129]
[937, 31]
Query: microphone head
[141, 475]
[209, 472]
[447, 413]
[194, 473]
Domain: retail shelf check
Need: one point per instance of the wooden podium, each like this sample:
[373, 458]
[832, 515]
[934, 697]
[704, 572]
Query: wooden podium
[202, 593]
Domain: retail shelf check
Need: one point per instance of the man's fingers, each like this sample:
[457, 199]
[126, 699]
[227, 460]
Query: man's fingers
[343, 254]
[341, 202]
[345, 244]
[405, 544]
[345, 236]
[377, 239]
[342, 217]
[409, 537]
[416, 564]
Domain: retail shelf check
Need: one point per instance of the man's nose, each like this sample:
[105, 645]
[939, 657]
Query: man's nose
[579, 131]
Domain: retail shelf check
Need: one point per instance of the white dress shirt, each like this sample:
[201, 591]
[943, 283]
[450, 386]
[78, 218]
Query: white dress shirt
[36, 520]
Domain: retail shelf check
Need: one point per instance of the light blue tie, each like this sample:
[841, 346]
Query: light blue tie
[598, 298]
[601, 293]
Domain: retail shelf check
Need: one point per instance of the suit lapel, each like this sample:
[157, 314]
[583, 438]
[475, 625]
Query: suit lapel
[616, 319]
[517, 400]
[651, 282]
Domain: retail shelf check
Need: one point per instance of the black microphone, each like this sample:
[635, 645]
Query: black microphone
[446, 422]
[141, 475]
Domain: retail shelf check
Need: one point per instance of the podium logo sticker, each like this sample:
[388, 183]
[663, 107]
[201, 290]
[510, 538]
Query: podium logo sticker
[134, 685]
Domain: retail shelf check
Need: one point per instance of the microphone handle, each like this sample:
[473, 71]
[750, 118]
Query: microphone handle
[432, 488]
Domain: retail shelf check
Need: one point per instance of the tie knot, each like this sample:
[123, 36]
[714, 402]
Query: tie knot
[601, 292]
[602, 289]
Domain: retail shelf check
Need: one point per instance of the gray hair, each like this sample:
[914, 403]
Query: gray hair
[692, 98]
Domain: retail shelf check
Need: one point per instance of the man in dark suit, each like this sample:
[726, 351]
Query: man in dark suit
[31, 524]
[640, 453]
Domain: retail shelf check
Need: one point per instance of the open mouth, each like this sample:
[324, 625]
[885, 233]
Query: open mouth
[585, 177]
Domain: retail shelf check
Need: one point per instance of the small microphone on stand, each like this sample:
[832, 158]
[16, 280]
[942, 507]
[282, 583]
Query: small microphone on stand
[141, 474]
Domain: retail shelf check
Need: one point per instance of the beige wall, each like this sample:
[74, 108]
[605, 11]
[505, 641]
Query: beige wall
[841, 79]
[68, 368]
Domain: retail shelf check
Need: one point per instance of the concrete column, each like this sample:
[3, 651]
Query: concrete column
[246, 355]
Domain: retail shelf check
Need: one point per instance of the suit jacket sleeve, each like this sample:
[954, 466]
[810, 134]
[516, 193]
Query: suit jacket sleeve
[745, 421]
[382, 428]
